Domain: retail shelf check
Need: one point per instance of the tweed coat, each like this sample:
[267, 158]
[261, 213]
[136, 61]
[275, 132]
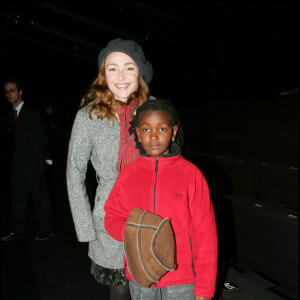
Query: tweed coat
[96, 140]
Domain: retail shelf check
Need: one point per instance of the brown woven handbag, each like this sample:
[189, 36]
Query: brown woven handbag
[149, 244]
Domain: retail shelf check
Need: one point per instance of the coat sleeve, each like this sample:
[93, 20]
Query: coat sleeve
[116, 211]
[79, 152]
[39, 131]
[203, 236]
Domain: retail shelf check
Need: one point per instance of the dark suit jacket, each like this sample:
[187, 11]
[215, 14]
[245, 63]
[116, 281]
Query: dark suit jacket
[30, 141]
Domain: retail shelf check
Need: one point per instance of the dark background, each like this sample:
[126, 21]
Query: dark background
[231, 68]
[229, 48]
[207, 57]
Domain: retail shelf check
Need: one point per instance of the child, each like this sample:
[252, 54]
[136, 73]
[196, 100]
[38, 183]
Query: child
[163, 182]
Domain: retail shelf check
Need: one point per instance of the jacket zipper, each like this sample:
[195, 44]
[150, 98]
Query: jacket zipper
[155, 170]
[192, 251]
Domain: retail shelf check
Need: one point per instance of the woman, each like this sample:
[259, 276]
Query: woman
[100, 134]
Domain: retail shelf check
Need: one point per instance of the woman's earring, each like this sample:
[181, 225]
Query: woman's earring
[173, 140]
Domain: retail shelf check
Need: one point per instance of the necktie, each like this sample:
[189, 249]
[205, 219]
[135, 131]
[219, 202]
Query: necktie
[15, 114]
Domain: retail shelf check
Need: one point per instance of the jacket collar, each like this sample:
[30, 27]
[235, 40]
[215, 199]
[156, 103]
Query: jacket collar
[175, 149]
[164, 160]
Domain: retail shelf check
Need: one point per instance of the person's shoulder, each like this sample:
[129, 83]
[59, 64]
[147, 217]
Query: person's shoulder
[83, 114]
[130, 169]
[83, 110]
[191, 167]
[29, 110]
[188, 163]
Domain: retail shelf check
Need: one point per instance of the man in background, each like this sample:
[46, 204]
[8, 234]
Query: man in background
[29, 163]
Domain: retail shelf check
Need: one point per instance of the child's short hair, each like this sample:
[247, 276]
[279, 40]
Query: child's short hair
[157, 104]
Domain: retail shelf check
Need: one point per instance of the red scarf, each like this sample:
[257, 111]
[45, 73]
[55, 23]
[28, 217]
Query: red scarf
[127, 150]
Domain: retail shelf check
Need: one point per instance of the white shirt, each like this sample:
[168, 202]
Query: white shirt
[18, 108]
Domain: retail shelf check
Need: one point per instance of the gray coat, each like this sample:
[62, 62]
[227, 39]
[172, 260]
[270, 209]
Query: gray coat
[96, 140]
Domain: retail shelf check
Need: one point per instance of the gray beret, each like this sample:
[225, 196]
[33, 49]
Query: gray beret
[132, 49]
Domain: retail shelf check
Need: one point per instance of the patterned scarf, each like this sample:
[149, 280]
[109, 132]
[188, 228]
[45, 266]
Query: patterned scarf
[127, 150]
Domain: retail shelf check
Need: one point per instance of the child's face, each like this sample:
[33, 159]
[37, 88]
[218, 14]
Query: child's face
[155, 131]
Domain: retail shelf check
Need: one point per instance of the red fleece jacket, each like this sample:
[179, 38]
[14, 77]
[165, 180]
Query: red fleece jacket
[171, 187]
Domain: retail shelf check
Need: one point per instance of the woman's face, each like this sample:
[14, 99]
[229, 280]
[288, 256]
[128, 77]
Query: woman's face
[122, 75]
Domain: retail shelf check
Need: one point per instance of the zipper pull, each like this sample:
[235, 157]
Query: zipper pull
[156, 164]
